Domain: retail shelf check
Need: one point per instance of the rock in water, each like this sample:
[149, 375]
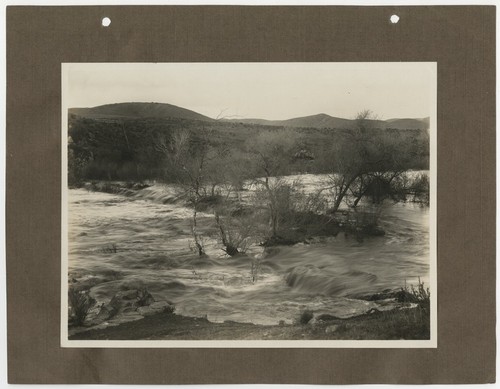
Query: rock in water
[327, 317]
[331, 329]
[156, 307]
[106, 312]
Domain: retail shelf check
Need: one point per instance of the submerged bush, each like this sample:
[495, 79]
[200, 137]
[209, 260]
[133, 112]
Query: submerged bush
[80, 304]
[420, 189]
[110, 248]
[305, 317]
[144, 298]
[170, 309]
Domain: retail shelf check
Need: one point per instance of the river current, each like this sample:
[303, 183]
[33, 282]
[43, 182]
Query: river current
[118, 242]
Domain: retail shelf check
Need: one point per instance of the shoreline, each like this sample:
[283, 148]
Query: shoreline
[406, 323]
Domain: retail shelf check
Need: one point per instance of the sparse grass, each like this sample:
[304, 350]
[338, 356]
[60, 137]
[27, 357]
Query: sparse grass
[411, 323]
[407, 322]
[415, 294]
[392, 325]
[80, 304]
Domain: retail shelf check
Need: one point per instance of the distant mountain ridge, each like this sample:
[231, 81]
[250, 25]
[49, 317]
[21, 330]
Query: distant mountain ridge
[162, 110]
[326, 121]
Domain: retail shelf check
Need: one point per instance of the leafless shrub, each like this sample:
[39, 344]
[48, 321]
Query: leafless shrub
[415, 294]
[80, 304]
[237, 232]
[144, 297]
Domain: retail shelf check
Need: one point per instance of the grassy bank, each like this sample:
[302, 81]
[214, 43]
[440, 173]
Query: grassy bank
[410, 323]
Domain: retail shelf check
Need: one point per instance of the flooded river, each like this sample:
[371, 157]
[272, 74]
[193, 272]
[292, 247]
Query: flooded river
[118, 242]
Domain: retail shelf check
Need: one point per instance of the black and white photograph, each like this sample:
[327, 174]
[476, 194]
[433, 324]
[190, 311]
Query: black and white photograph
[249, 204]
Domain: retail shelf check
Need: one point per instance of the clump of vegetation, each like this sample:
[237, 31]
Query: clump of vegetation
[305, 317]
[415, 294]
[420, 189]
[411, 187]
[237, 232]
[169, 309]
[110, 249]
[299, 215]
[80, 304]
[144, 298]
[361, 222]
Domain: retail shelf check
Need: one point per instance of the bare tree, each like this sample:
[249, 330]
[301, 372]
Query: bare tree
[369, 161]
[272, 153]
[188, 163]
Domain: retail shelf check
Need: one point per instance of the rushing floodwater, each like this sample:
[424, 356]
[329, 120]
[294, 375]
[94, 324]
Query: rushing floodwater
[152, 243]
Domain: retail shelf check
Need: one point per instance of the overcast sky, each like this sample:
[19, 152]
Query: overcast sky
[259, 90]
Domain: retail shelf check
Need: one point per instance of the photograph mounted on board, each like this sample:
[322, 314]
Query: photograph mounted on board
[249, 205]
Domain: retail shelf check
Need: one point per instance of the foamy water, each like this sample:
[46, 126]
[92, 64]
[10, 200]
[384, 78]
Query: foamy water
[152, 239]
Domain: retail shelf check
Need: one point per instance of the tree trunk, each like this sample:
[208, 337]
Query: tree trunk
[342, 194]
[338, 200]
[355, 204]
[272, 208]
[274, 224]
[198, 244]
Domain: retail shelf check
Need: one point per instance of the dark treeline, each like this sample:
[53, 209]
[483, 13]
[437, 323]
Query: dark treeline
[138, 149]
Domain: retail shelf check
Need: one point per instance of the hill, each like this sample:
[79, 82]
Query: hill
[314, 121]
[409, 124]
[326, 121]
[137, 111]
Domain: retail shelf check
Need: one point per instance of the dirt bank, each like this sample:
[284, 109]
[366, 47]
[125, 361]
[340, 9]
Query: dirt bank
[411, 323]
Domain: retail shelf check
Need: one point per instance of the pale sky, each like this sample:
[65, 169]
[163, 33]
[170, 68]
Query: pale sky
[260, 90]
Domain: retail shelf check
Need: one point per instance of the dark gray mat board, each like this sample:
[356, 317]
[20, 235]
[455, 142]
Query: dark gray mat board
[461, 39]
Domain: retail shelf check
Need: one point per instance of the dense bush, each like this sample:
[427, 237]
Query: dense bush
[80, 304]
[305, 317]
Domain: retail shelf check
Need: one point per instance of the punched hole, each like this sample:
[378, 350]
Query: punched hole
[106, 21]
[394, 19]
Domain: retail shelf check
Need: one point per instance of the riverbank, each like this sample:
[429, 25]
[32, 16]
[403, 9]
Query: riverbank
[407, 323]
